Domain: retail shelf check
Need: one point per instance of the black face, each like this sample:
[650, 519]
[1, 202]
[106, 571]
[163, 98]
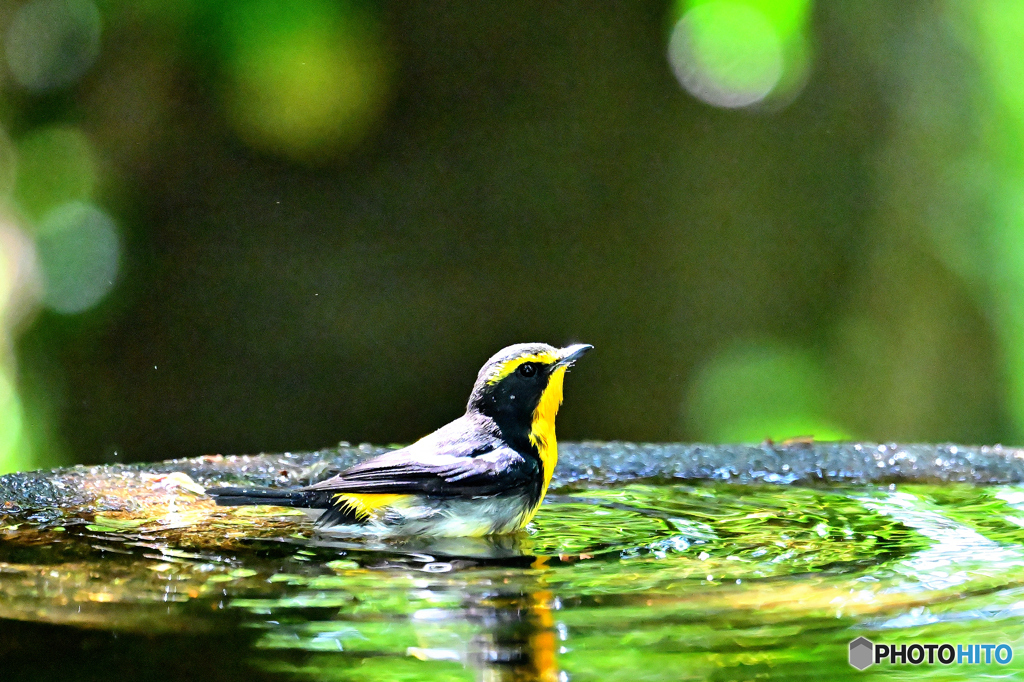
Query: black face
[510, 397]
[509, 387]
[513, 398]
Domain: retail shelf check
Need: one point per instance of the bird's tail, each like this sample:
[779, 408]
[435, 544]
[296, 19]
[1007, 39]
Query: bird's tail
[227, 497]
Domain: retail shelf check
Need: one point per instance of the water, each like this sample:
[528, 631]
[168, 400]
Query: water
[712, 581]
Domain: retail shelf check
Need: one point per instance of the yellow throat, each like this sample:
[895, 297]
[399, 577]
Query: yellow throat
[542, 430]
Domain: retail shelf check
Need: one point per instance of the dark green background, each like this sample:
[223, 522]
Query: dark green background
[536, 172]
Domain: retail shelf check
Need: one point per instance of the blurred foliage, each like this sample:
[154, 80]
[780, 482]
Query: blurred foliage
[258, 226]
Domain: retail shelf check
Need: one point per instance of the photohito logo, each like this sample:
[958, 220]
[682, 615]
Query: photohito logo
[865, 653]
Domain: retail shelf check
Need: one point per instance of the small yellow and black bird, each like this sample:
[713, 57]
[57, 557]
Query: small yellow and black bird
[484, 473]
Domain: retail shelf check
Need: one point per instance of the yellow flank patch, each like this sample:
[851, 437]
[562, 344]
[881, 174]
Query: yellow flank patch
[513, 364]
[542, 430]
[363, 506]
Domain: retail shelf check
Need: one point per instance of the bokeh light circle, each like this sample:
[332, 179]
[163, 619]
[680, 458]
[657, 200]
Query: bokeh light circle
[726, 53]
[305, 80]
[751, 391]
[51, 43]
[20, 288]
[55, 165]
[8, 165]
[11, 425]
[79, 250]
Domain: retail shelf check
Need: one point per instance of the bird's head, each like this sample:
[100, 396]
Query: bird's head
[522, 384]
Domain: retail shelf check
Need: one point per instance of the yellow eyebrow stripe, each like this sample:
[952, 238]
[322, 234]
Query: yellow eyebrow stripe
[513, 364]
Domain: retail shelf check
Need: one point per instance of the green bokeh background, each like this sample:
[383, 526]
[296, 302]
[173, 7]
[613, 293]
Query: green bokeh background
[329, 214]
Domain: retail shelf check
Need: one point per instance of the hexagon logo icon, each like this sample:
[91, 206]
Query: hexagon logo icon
[862, 653]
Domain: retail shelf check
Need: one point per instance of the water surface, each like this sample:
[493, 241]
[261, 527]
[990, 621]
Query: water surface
[707, 581]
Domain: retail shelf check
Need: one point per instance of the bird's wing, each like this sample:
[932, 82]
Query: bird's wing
[490, 470]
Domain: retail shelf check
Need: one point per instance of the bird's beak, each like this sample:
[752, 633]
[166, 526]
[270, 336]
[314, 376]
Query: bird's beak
[573, 353]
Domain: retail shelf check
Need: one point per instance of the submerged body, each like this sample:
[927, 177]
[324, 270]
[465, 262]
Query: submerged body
[484, 473]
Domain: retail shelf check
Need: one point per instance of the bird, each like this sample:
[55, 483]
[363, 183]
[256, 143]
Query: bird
[485, 473]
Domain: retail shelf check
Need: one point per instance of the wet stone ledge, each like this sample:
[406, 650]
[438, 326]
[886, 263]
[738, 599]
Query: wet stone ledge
[44, 496]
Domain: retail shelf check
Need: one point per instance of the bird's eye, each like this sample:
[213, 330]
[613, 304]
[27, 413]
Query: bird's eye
[527, 369]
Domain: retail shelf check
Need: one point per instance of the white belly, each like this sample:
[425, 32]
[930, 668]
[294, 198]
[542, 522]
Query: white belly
[474, 517]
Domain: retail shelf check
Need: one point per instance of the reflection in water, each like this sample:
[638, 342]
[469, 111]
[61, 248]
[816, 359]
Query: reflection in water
[640, 582]
[480, 603]
[514, 636]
